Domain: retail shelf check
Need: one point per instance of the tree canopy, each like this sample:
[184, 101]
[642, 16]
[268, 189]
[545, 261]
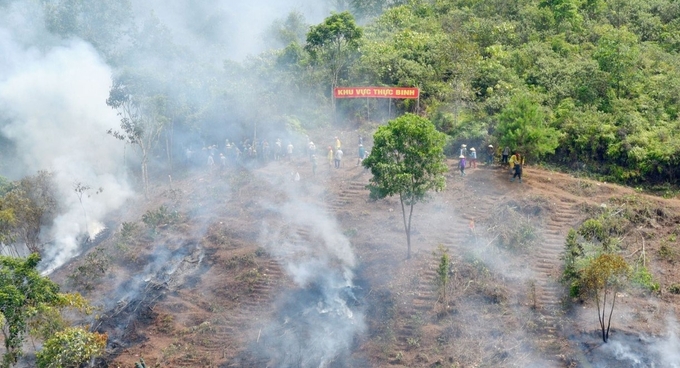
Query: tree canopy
[407, 160]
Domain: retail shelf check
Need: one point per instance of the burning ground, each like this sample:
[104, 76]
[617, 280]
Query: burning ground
[249, 268]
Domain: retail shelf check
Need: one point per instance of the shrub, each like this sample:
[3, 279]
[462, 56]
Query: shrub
[70, 348]
[159, 217]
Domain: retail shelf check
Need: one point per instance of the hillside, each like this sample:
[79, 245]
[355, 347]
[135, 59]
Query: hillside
[258, 270]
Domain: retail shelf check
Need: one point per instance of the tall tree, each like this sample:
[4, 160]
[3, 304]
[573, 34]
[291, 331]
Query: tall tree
[333, 44]
[143, 118]
[407, 160]
[523, 124]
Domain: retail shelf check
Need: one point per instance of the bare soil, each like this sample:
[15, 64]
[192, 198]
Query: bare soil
[208, 290]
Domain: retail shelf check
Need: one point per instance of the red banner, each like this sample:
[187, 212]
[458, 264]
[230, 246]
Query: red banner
[375, 92]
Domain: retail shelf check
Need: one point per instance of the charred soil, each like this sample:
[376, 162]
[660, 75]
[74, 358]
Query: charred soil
[203, 286]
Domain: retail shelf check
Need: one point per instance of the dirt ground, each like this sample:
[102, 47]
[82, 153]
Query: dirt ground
[220, 285]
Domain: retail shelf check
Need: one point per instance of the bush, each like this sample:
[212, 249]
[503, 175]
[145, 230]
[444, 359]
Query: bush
[160, 217]
[70, 348]
[644, 278]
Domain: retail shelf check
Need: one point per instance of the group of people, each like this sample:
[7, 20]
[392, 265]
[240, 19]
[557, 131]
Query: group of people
[468, 159]
[335, 154]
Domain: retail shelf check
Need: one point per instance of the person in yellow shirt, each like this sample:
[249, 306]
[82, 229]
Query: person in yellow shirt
[338, 145]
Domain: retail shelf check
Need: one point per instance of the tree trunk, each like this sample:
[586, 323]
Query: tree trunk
[406, 227]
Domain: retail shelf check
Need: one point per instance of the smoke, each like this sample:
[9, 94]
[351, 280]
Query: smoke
[238, 27]
[633, 350]
[317, 323]
[53, 111]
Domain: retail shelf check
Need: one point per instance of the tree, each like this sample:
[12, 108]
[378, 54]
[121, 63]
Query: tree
[522, 124]
[143, 119]
[70, 348]
[33, 204]
[602, 279]
[22, 292]
[407, 160]
[333, 43]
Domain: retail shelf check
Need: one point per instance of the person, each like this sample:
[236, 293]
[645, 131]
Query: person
[314, 164]
[278, 148]
[297, 176]
[362, 154]
[211, 162]
[223, 160]
[506, 152]
[361, 139]
[490, 153]
[338, 158]
[338, 144]
[461, 165]
[519, 162]
[464, 151]
[473, 158]
[330, 156]
[311, 148]
[289, 151]
[511, 162]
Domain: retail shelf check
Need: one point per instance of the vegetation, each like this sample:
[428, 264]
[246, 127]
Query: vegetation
[407, 160]
[70, 348]
[30, 303]
[602, 278]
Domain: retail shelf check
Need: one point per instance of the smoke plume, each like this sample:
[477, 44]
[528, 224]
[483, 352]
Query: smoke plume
[53, 111]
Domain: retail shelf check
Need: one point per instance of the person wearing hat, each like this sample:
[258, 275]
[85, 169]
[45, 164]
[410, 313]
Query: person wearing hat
[461, 165]
[473, 158]
[463, 150]
[490, 153]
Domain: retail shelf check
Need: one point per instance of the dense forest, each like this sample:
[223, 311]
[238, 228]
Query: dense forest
[587, 84]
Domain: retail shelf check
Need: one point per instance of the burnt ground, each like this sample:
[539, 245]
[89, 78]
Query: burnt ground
[253, 272]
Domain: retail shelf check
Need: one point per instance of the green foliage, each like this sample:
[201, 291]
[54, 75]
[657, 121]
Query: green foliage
[407, 160]
[524, 126]
[22, 292]
[92, 269]
[443, 273]
[643, 278]
[70, 348]
[159, 217]
[334, 43]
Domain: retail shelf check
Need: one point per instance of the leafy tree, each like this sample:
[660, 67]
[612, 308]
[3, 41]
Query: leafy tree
[333, 44]
[70, 348]
[524, 125]
[22, 292]
[602, 279]
[30, 303]
[407, 160]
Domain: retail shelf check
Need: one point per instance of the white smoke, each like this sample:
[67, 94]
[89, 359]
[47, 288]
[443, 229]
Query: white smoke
[321, 318]
[53, 109]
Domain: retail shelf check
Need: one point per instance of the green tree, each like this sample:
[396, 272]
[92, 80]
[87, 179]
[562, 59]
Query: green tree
[523, 124]
[70, 348]
[602, 279]
[22, 292]
[333, 44]
[407, 160]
